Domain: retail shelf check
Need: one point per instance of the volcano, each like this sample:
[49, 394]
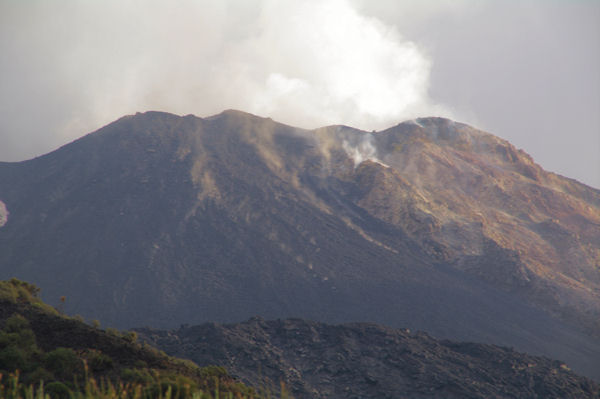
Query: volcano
[158, 219]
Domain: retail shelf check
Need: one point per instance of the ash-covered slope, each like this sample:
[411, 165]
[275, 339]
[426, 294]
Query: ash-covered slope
[317, 360]
[159, 220]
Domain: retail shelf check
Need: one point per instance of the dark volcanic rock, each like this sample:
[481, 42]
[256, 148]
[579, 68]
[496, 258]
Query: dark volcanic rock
[317, 360]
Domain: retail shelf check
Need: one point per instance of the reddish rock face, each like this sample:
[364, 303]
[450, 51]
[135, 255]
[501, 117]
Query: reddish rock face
[490, 210]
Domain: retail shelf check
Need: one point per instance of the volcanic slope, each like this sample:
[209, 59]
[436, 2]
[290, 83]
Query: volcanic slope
[158, 220]
[360, 360]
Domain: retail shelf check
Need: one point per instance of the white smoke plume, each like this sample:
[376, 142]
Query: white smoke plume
[362, 151]
[79, 65]
[3, 214]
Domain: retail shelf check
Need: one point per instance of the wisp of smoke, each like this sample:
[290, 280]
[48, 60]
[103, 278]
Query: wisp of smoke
[364, 150]
[3, 214]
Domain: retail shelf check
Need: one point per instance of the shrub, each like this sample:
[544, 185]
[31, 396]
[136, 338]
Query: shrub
[137, 376]
[16, 323]
[130, 336]
[15, 290]
[63, 363]
[45, 308]
[26, 292]
[17, 345]
[185, 363]
[17, 331]
[8, 292]
[13, 358]
[38, 375]
[171, 385]
[213, 371]
[113, 331]
[57, 390]
[98, 361]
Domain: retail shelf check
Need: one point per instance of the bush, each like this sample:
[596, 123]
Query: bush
[171, 385]
[15, 290]
[113, 331]
[16, 323]
[13, 358]
[25, 292]
[214, 371]
[136, 376]
[64, 363]
[17, 331]
[98, 361]
[185, 363]
[130, 336]
[57, 390]
[8, 292]
[17, 345]
[36, 376]
[45, 308]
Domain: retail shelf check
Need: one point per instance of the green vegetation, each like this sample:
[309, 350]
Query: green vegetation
[12, 388]
[17, 291]
[38, 359]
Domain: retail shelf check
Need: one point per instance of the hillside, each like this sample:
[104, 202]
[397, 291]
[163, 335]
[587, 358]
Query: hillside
[359, 360]
[159, 220]
[40, 344]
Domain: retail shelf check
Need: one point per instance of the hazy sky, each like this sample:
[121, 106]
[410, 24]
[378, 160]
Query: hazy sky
[527, 71]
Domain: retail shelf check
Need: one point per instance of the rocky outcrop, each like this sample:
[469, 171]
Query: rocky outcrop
[488, 209]
[316, 360]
